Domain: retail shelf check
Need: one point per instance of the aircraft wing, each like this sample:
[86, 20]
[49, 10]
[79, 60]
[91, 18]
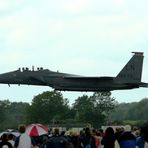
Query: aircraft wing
[39, 79]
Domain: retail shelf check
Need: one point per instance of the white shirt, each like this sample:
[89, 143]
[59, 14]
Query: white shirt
[146, 145]
[24, 141]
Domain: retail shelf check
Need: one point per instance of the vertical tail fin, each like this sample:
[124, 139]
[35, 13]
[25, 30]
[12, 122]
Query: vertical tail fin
[132, 71]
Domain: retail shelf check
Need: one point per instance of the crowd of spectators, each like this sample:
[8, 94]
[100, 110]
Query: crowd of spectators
[86, 138]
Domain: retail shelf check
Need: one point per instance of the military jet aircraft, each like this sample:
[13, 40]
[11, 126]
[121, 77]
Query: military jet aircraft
[128, 78]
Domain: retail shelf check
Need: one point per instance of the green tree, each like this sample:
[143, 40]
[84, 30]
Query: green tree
[83, 107]
[103, 106]
[94, 109]
[48, 106]
[16, 114]
[3, 113]
[134, 111]
[12, 114]
[139, 110]
[120, 112]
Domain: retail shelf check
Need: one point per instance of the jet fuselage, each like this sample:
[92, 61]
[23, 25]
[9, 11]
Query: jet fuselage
[62, 81]
[128, 78]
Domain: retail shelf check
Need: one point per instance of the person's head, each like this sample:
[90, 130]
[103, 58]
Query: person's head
[4, 137]
[62, 133]
[22, 128]
[56, 131]
[101, 130]
[10, 137]
[94, 132]
[127, 128]
[87, 131]
[109, 131]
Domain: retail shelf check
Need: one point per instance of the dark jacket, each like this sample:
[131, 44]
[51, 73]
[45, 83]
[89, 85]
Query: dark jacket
[127, 140]
[140, 142]
[109, 139]
[57, 142]
[108, 142]
[88, 140]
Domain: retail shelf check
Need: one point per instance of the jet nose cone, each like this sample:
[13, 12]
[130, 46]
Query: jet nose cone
[4, 78]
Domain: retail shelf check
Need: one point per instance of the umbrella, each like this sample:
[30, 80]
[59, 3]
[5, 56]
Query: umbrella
[10, 131]
[36, 129]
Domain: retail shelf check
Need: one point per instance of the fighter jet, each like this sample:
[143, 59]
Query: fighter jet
[128, 78]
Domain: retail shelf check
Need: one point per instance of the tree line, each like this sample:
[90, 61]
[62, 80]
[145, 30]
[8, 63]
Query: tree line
[135, 111]
[53, 109]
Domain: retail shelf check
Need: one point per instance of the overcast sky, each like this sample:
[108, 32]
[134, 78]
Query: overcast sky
[85, 37]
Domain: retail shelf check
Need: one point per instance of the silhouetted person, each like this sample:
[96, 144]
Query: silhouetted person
[5, 142]
[57, 140]
[88, 140]
[127, 139]
[142, 141]
[109, 139]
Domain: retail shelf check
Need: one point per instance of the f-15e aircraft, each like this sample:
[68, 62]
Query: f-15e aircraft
[128, 78]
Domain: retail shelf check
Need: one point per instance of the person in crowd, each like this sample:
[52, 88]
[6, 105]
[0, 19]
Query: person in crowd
[24, 140]
[5, 142]
[127, 139]
[102, 132]
[136, 131]
[81, 136]
[88, 140]
[44, 141]
[57, 140]
[118, 132]
[73, 139]
[98, 134]
[109, 139]
[97, 140]
[142, 141]
[11, 139]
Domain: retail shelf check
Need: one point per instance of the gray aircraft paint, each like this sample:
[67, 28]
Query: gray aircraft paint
[128, 78]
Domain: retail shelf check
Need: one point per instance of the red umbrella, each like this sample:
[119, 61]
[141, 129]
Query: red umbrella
[36, 129]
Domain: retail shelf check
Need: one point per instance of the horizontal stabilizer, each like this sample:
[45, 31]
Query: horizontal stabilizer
[143, 84]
